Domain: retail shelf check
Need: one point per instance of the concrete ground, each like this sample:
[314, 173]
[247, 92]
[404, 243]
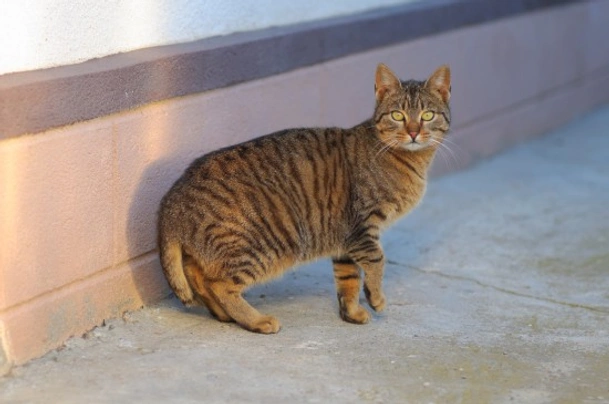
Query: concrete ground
[497, 287]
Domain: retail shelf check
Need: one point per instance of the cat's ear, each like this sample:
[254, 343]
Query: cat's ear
[386, 81]
[439, 83]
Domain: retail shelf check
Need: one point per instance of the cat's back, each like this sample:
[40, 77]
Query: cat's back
[291, 155]
[296, 179]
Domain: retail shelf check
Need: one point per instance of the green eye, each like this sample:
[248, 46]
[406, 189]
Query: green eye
[397, 116]
[427, 115]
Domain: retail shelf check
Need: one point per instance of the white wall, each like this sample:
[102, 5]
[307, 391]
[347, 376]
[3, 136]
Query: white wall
[36, 34]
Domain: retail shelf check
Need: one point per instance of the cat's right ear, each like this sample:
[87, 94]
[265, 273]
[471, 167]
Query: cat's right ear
[386, 82]
[439, 83]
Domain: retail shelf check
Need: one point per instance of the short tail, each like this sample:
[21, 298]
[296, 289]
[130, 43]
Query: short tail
[171, 260]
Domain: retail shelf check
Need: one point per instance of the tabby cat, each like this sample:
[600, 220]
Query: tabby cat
[244, 214]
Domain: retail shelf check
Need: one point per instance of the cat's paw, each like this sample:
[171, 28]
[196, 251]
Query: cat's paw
[378, 304]
[375, 300]
[357, 316]
[266, 325]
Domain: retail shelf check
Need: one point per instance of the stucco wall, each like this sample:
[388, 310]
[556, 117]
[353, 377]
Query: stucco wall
[37, 34]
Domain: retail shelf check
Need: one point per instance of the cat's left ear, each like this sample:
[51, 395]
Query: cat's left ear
[385, 82]
[439, 83]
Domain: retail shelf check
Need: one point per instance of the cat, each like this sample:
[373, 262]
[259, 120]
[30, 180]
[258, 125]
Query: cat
[244, 214]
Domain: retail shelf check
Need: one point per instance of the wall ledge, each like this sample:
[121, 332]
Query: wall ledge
[36, 101]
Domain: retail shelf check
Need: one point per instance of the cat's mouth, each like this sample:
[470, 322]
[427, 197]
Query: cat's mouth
[414, 145]
[415, 141]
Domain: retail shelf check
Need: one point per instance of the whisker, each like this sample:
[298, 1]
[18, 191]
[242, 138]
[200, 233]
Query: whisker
[441, 152]
[452, 143]
[379, 145]
[454, 154]
[382, 149]
[392, 143]
[386, 146]
[445, 148]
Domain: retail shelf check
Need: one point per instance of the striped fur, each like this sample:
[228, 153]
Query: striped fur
[244, 214]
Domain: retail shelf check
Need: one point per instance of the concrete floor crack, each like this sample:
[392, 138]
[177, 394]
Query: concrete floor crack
[597, 309]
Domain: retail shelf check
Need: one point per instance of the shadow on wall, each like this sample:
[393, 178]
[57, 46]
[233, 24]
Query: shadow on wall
[144, 264]
[148, 162]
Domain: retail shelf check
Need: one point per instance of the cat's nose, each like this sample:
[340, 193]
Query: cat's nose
[413, 135]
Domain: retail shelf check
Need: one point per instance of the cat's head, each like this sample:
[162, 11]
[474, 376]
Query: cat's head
[412, 115]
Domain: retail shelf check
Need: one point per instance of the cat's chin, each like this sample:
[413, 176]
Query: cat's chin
[414, 146]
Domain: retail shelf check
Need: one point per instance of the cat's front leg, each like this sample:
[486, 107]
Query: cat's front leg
[348, 286]
[368, 254]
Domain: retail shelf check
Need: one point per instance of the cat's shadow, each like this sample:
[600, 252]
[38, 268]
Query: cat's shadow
[147, 275]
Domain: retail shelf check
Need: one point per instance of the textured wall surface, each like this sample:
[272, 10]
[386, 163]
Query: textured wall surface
[78, 203]
[36, 34]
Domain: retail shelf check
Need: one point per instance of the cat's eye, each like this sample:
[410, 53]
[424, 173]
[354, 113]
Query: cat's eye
[397, 116]
[427, 115]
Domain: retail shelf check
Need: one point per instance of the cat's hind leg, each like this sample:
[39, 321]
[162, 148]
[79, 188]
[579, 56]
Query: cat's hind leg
[348, 282]
[197, 282]
[228, 294]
